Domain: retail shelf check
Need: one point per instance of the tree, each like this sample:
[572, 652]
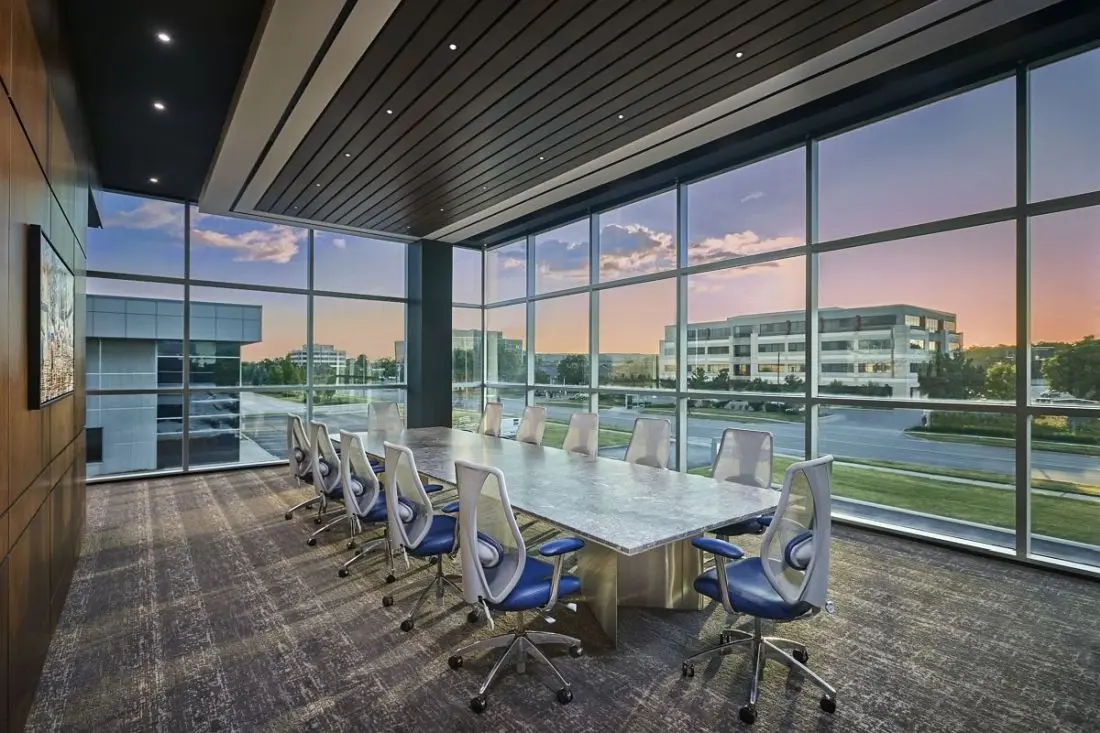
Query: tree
[1000, 381]
[573, 369]
[464, 366]
[511, 364]
[951, 377]
[697, 378]
[1076, 369]
[721, 381]
[387, 366]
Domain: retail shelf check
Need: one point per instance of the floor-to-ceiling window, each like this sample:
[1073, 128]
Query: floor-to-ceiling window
[204, 332]
[915, 296]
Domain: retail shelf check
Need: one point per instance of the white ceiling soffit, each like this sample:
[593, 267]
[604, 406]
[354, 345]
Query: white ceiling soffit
[914, 36]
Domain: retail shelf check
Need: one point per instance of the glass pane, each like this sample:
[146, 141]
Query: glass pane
[466, 276]
[513, 399]
[247, 251]
[560, 405]
[466, 408]
[952, 157]
[136, 433]
[265, 331]
[358, 341]
[638, 238]
[758, 208]
[617, 414]
[360, 265]
[1065, 487]
[562, 258]
[505, 344]
[927, 317]
[635, 321]
[466, 346]
[925, 467]
[561, 340]
[233, 427]
[506, 272]
[1065, 308]
[139, 236]
[1064, 105]
[346, 408]
[133, 335]
[786, 421]
[746, 329]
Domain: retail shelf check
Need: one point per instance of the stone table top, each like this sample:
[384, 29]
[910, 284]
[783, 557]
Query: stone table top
[625, 507]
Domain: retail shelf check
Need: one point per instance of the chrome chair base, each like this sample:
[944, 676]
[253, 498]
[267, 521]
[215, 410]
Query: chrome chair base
[519, 645]
[362, 552]
[439, 583]
[793, 654]
[353, 527]
[307, 504]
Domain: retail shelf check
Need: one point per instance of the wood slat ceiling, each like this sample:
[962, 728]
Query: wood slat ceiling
[420, 136]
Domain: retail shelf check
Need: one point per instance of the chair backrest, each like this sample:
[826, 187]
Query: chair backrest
[744, 457]
[297, 447]
[361, 487]
[494, 568]
[795, 548]
[583, 435]
[384, 417]
[532, 425]
[491, 419]
[326, 461]
[649, 442]
[402, 481]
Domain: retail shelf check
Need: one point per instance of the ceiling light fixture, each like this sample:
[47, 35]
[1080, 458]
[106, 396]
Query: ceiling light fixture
[453, 47]
[739, 54]
[164, 37]
[620, 117]
[541, 158]
[389, 111]
[318, 185]
[441, 209]
[158, 106]
[347, 155]
[154, 179]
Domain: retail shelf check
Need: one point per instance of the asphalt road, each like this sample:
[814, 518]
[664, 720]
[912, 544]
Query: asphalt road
[851, 433]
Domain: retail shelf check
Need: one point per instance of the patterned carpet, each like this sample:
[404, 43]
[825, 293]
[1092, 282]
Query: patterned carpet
[196, 607]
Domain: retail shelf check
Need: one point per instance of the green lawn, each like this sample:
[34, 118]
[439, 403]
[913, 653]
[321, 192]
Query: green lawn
[555, 435]
[1045, 445]
[729, 414]
[1068, 519]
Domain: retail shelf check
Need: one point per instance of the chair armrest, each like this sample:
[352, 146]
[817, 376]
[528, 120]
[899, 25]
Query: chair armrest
[450, 507]
[719, 547]
[433, 488]
[765, 521]
[560, 546]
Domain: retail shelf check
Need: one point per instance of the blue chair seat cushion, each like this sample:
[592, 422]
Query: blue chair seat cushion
[336, 492]
[750, 592]
[377, 513]
[533, 588]
[442, 537]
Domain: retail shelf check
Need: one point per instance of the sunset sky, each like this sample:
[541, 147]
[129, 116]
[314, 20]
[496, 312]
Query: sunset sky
[950, 158]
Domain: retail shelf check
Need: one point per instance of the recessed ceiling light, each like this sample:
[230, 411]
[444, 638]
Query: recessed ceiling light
[347, 155]
[441, 209]
[389, 111]
[154, 179]
[453, 47]
[739, 54]
[158, 106]
[620, 117]
[164, 37]
[542, 158]
[485, 188]
[318, 185]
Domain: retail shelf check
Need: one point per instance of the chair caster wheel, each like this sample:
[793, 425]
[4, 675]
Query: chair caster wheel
[407, 625]
[687, 670]
[454, 662]
[342, 572]
[312, 541]
[828, 704]
[351, 544]
[576, 650]
[801, 656]
[387, 601]
[478, 704]
[316, 520]
[565, 696]
[747, 714]
[288, 516]
[391, 578]
[433, 560]
[473, 617]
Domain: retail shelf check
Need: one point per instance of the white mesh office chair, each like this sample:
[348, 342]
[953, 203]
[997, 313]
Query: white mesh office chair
[299, 458]
[532, 425]
[384, 417]
[326, 478]
[491, 419]
[649, 442]
[363, 498]
[499, 576]
[744, 457]
[787, 582]
[583, 435]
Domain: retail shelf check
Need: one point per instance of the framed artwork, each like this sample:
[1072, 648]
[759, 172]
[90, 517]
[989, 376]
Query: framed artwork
[51, 327]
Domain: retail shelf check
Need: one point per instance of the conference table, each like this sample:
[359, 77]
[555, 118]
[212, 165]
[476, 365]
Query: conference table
[637, 521]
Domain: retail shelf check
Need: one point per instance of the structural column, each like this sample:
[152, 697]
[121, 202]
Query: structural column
[428, 334]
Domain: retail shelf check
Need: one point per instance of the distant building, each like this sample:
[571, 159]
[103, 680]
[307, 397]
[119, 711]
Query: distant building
[137, 343]
[470, 339]
[882, 345]
[325, 355]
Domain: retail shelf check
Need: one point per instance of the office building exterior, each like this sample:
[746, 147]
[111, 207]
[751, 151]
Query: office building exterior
[326, 356]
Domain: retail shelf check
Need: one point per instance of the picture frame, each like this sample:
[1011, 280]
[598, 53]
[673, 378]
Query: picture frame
[51, 322]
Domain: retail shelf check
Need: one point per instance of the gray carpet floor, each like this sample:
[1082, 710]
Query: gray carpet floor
[196, 607]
